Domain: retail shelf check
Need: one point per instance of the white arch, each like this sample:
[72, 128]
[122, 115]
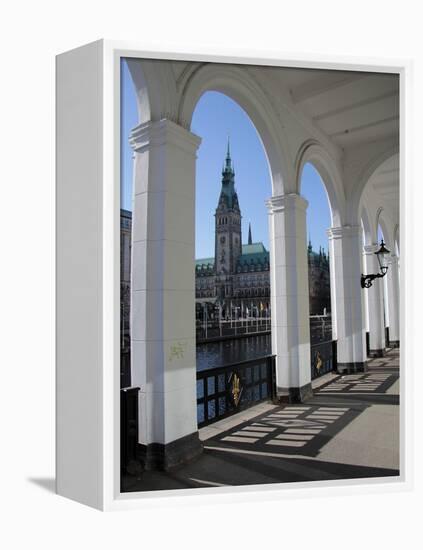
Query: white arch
[243, 88]
[384, 225]
[396, 239]
[155, 89]
[362, 179]
[312, 151]
[368, 233]
[377, 223]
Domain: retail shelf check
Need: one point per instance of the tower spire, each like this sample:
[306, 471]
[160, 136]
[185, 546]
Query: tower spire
[250, 239]
[228, 193]
[228, 158]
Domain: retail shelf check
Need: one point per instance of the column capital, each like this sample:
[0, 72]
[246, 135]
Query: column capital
[158, 133]
[289, 201]
[344, 231]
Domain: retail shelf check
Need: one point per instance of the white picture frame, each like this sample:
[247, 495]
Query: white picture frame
[88, 202]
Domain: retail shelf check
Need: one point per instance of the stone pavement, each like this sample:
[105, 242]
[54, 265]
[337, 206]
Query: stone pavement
[348, 429]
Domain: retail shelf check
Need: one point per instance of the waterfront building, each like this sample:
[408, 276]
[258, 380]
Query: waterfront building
[318, 281]
[236, 281]
[125, 294]
[125, 274]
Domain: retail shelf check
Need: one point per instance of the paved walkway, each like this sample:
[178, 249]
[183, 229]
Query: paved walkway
[349, 429]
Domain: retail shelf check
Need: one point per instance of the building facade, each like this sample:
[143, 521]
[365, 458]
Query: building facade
[318, 281]
[125, 294]
[237, 279]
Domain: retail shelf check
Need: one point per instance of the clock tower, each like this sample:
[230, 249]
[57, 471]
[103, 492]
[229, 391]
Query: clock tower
[228, 239]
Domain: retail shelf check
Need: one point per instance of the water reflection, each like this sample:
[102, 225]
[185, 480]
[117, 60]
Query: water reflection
[219, 354]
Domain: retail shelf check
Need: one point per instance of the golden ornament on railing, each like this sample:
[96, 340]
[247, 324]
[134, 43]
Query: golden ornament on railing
[236, 389]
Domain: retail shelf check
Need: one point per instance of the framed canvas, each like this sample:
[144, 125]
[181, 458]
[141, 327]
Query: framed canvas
[212, 340]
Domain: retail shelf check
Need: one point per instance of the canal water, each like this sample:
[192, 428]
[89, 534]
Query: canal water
[219, 354]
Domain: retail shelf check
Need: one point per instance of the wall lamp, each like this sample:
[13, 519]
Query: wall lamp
[367, 280]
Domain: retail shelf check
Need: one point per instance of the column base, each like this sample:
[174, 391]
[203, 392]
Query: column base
[293, 395]
[349, 368]
[376, 352]
[394, 343]
[159, 456]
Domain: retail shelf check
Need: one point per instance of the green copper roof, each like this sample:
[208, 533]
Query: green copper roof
[254, 248]
[209, 262]
[253, 253]
[320, 258]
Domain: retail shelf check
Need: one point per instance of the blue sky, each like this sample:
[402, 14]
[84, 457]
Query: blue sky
[129, 119]
[215, 118]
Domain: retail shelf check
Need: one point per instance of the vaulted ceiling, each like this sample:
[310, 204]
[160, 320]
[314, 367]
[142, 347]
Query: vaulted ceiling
[348, 108]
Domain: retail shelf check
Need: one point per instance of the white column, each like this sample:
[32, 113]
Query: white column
[345, 254]
[375, 303]
[163, 292]
[290, 296]
[393, 300]
[332, 293]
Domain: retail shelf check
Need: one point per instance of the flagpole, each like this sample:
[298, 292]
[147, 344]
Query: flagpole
[220, 319]
[257, 316]
[231, 315]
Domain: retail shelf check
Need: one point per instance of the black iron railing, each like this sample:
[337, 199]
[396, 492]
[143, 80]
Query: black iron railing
[320, 328]
[129, 430]
[125, 367]
[323, 358]
[387, 337]
[213, 330]
[223, 391]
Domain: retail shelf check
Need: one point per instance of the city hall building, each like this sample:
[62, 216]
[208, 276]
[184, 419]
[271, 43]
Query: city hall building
[237, 278]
